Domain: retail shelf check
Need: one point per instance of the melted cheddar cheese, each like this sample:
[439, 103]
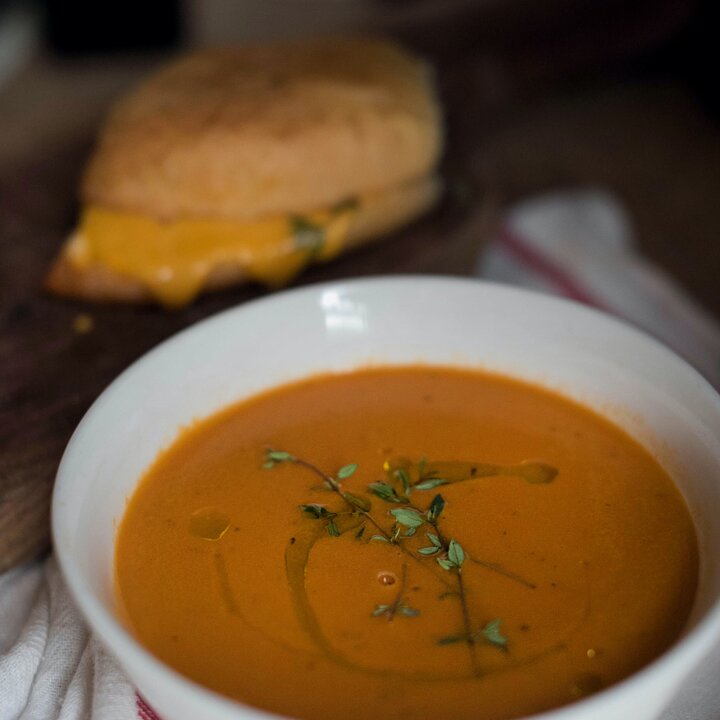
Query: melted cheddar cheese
[175, 259]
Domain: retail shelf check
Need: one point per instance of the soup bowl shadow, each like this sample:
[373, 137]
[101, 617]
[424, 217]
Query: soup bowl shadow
[603, 364]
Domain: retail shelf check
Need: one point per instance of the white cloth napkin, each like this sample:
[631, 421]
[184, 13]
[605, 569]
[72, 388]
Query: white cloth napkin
[50, 666]
[580, 245]
[574, 244]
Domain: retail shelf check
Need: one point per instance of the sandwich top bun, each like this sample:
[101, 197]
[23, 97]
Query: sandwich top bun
[217, 152]
[250, 132]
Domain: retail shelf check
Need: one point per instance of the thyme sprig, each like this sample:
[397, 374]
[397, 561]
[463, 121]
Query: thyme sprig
[451, 558]
[358, 505]
[408, 520]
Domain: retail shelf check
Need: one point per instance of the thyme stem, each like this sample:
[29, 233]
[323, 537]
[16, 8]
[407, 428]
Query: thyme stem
[467, 626]
[401, 592]
[495, 567]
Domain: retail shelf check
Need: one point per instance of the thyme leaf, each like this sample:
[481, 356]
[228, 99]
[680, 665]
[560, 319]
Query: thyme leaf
[456, 555]
[386, 492]
[408, 611]
[432, 550]
[436, 507]
[346, 471]
[407, 517]
[434, 539]
[402, 475]
[272, 457]
[430, 483]
[316, 511]
[491, 633]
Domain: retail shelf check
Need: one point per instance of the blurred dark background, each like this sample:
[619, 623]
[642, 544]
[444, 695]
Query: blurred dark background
[538, 39]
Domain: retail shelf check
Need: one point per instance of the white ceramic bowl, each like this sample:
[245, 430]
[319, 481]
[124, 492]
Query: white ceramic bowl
[625, 375]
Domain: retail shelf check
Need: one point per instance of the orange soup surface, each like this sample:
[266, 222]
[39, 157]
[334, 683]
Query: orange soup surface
[406, 543]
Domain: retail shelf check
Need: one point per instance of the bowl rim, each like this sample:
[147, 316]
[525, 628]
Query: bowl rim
[685, 652]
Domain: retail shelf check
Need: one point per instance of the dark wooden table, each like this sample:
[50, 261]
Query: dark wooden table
[647, 141]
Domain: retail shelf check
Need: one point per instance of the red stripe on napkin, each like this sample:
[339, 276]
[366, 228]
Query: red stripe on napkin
[144, 711]
[565, 283]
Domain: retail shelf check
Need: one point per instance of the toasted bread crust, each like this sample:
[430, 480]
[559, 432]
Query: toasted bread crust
[386, 213]
[250, 132]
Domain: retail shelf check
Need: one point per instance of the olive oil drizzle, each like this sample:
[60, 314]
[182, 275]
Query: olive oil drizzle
[425, 475]
[297, 557]
[226, 591]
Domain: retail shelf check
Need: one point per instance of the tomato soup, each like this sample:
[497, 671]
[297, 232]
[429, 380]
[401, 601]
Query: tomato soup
[407, 542]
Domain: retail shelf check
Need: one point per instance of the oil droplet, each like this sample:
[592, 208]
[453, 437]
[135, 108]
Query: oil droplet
[536, 473]
[387, 578]
[209, 524]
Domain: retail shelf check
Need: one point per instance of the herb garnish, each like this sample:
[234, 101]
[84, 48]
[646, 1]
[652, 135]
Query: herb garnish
[402, 479]
[307, 235]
